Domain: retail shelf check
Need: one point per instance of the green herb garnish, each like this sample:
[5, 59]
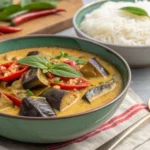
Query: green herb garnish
[77, 61]
[18, 13]
[8, 10]
[38, 4]
[5, 3]
[61, 55]
[135, 10]
[56, 80]
[5, 13]
[29, 92]
[66, 55]
[62, 69]
[102, 83]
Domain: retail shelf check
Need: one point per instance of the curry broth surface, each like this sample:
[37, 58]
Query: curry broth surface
[80, 105]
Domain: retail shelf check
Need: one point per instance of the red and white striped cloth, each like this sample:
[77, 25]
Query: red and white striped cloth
[131, 110]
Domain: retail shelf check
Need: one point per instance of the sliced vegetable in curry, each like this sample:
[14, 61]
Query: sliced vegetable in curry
[50, 82]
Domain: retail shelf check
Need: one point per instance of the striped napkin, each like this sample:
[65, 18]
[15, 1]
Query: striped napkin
[131, 110]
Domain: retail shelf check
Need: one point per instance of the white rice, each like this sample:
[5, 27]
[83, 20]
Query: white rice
[111, 25]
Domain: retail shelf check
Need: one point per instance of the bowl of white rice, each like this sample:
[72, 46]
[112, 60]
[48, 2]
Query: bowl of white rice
[127, 33]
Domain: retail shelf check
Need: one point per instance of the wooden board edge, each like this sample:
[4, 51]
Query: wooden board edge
[54, 29]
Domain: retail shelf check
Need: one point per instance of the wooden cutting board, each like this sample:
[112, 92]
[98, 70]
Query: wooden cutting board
[48, 24]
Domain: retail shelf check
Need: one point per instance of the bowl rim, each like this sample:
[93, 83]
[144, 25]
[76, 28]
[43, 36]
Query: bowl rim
[83, 113]
[84, 35]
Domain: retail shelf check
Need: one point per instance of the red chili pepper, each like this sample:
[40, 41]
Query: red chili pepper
[6, 29]
[32, 15]
[81, 83]
[15, 100]
[12, 74]
[1, 33]
[71, 63]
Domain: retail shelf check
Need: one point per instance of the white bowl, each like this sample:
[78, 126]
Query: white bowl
[136, 56]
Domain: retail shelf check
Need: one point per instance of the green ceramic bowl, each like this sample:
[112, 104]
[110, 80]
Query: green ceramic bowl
[59, 129]
[131, 53]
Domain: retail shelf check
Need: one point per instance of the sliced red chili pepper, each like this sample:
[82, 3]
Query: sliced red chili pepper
[1, 33]
[12, 75]
[6, 29]
[32, 15]
[80, 84]
[15, 100]
[71, 63]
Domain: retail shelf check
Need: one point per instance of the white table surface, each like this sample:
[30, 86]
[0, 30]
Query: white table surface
[140, 84]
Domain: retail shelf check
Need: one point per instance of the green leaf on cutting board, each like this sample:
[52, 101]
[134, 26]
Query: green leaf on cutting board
[9, 11]
[26, 5]
[5, 3]
[39, 4]
[18, 13]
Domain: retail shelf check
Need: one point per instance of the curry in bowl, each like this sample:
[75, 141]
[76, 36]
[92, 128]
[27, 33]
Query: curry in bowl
[50, 82]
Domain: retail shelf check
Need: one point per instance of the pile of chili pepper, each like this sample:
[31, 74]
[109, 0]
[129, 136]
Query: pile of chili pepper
[26, 17]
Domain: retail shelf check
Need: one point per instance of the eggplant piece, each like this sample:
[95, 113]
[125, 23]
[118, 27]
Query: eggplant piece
[34, 78]
[99, 91]
[93, 68]
[32, 53]
[36, 107]
[59, 99]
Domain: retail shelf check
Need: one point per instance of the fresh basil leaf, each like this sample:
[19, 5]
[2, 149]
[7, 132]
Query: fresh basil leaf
[51, 2]
[56, 57]
[29, 92]
[9, 11]
[39, 4]
[77, 61]
[25, 2]
[50, 66]
[66, 55]
[135, 10]
[61, 55]
[58, 69]
[5, 3]
[17, 14]
[65, 70]
[45, 70]
[54, 3]
[34, 61]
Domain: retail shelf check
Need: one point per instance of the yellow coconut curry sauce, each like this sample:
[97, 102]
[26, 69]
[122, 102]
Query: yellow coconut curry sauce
[61, 103]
